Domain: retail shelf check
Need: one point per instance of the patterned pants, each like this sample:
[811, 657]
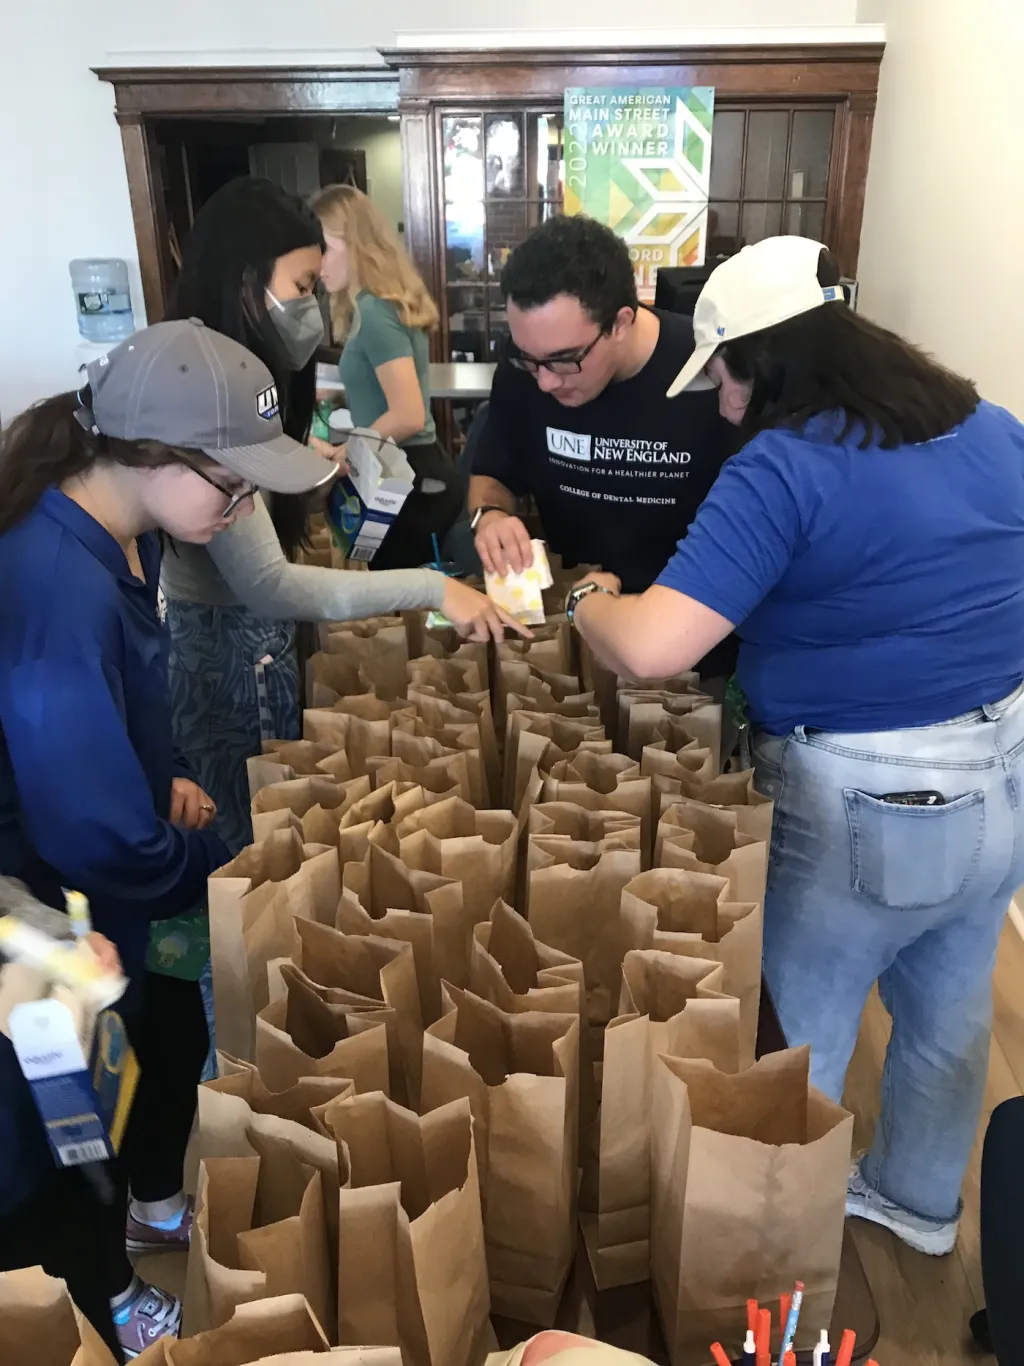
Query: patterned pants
[234, 681]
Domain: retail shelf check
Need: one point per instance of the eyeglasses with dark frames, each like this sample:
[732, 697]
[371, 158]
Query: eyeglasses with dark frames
[568, 363]
[235, 498]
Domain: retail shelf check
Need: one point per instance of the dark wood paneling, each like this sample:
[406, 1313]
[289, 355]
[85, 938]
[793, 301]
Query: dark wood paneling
[423, 210]
[148, 212]
[170, 91]
[854, 172]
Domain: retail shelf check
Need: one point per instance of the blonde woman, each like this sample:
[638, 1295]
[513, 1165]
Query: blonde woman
[381, 313]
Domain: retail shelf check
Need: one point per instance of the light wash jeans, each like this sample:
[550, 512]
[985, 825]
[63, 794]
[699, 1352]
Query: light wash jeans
[912, 897]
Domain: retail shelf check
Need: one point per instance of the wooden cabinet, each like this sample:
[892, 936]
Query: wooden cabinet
[483, 155]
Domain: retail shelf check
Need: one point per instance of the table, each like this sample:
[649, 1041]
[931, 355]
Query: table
[627, 1317]
[463, 381]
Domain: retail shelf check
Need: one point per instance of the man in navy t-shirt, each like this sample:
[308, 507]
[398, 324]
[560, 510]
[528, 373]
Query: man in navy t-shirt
[579, 419]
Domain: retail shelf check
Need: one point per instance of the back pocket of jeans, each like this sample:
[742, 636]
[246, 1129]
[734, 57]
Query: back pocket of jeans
[910, 857]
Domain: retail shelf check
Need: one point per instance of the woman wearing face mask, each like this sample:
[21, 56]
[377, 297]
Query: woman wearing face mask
[250, 269]
[867, 544]
[382, 312]
[171, 434]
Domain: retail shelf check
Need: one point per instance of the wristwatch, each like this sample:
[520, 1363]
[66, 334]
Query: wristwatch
[581, 591]
[474, 521]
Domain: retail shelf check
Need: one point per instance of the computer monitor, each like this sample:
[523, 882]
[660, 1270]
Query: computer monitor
[678, 287]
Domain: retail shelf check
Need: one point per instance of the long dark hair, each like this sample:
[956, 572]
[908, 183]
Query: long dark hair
[45, 446]
[226, 265]
[832, 360]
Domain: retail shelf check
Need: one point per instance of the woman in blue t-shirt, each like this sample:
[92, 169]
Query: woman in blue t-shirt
[867, 544]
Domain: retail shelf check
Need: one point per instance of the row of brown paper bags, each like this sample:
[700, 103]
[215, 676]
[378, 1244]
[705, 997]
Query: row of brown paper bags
[747, 1180]
[528, 1150]
[426, 875]
[39, 1327]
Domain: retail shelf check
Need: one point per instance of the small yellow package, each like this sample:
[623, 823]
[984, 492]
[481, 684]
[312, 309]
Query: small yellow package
[521, 594]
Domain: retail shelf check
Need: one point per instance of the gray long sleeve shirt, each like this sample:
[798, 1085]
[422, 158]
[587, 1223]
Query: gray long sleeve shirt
[245, 566]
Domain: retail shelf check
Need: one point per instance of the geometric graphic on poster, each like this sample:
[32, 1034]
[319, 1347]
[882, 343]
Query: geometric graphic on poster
[639, 160]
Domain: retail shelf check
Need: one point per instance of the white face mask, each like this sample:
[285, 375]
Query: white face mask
[300, 325]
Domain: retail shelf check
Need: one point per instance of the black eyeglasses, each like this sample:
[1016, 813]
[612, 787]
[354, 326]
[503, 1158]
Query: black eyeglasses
[235, 499]
[568, 363]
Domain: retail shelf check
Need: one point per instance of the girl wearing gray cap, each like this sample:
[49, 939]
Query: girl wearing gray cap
[174, 431]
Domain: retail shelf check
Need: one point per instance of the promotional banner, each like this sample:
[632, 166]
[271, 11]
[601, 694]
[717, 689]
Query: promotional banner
[639, 159]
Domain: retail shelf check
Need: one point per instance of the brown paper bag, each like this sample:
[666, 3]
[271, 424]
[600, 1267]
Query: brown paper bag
[713, 844]
[748, 1194]
[283, 760]
[520, 1073]
[733, 792]
[614, 777]
[318, 801]
[420, 750]
[413, 1271]
[526, 744]
[381, 895]
[477, 848]
[295, 1103]
[330, 676]
[360, 727]
[568, 818]
[696, 914]
[253, 903]
[668, 769]
[578, 911]
[382, 972]
[227, 1124]
[444, 776]
[440, 708]
[642, 711]
[37, 1320]
[516, 973]
[379, 649]
[450, 675]
[668, 1005]
[258, 1329]
[297, 1036]
[260, 1230]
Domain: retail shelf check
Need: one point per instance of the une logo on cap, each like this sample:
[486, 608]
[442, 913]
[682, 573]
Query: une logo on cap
[266, 403]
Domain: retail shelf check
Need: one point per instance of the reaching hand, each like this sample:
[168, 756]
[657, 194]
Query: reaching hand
[475, 616]
[503, 542]
[330, 452]
[190, 806]
[106, 953]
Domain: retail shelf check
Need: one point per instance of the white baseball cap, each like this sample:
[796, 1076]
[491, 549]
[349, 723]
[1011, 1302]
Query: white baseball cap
[762, 285]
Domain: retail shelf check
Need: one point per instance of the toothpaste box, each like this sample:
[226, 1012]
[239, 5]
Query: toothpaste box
[364, 504]
[84, 1102]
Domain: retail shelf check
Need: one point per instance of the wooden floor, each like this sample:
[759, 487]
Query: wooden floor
[925, 1302]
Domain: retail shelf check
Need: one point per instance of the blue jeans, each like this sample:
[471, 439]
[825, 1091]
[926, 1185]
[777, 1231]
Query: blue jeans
[912, 897]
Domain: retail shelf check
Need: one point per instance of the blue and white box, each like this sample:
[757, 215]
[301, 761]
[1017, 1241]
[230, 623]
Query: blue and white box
[364, 503]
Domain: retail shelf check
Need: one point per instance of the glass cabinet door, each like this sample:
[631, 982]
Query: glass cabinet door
[502, 173]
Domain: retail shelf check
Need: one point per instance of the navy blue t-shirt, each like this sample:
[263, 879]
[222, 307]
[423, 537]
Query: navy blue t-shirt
[872, 589]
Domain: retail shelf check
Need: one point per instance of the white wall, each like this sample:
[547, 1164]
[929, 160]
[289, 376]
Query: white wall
[942, 253]
[381, 140]
[62, 180]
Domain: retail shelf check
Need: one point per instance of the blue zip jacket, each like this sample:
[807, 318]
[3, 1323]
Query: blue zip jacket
[86, 760]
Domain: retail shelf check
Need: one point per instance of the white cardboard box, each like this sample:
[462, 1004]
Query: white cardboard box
[364, 504]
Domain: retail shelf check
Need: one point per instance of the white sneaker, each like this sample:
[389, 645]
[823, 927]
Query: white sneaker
[930, 1236]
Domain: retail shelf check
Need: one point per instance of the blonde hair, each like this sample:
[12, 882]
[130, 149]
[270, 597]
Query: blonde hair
[376, 261]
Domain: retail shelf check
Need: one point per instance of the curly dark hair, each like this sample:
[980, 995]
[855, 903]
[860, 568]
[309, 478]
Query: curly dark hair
[227, 262]
[576, 256]
[832, 360]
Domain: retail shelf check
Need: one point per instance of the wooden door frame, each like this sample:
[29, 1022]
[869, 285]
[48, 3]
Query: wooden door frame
[144, 94]
[844, 75]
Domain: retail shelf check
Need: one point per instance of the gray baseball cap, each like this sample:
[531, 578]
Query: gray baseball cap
[185, 385]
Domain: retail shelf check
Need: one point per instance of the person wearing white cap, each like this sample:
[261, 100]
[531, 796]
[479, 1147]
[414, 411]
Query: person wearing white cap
[867, 544]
